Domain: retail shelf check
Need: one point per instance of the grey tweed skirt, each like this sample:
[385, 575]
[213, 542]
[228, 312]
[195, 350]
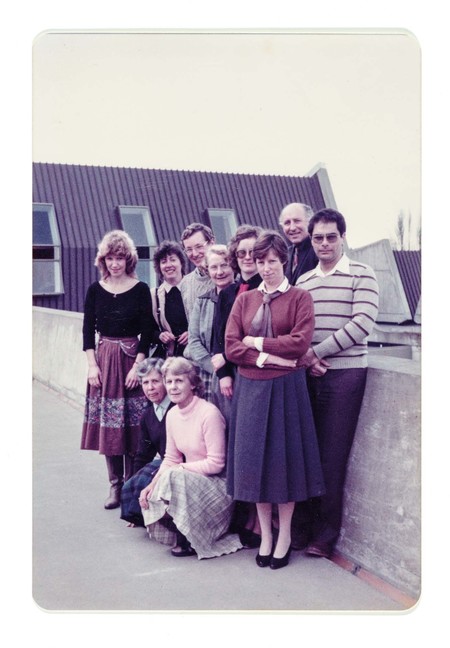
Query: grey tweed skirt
[200, 509]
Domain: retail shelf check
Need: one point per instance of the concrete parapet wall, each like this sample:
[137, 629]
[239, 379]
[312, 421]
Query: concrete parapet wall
[58, 359]
[381, 525]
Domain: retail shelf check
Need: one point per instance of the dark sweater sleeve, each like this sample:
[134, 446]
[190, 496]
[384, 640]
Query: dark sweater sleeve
[222, 312]
[89, 319]
[147, 321]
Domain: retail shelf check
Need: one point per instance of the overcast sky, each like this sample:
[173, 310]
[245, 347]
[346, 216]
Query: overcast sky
[269, 103]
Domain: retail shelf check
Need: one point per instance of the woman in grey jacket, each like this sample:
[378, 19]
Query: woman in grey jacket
[201, 330]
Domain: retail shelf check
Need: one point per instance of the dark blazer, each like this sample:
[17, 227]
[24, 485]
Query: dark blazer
[307, 260]
[227, 297]
[152, 438]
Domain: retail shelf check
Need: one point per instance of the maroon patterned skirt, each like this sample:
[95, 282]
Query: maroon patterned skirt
[112, 413]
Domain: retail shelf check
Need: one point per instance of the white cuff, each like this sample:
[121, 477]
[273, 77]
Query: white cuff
[259, 343]
[261, 360]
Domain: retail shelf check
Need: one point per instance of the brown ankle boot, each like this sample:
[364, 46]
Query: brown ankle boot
[114, 465]
[113, 501]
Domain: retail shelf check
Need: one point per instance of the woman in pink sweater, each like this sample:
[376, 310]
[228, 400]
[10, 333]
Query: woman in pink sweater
[186, 504]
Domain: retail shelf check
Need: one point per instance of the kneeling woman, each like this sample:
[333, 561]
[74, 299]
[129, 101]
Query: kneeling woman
[152, 441]
[186, 504]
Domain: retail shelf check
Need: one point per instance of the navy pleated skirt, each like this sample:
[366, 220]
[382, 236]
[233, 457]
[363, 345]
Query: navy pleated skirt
[273, 455]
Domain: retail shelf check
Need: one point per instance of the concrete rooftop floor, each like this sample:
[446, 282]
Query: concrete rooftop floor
[86, 559]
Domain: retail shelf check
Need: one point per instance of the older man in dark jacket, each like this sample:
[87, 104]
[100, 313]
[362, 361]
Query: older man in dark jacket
[294, 219]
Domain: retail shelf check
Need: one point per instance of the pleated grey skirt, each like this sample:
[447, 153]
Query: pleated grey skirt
[273, 455]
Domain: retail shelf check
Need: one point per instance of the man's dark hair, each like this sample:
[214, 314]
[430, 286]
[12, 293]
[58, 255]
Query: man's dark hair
[328, 216]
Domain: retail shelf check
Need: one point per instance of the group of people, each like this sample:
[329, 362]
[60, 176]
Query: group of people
[226, 400]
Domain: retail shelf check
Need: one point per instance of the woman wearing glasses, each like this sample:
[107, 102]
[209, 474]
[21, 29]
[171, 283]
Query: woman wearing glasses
[240, 249]
[273, 456]
[242, 262]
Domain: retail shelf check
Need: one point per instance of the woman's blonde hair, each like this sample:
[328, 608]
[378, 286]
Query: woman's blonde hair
[116, 242]
[178, 366]
[219, 249]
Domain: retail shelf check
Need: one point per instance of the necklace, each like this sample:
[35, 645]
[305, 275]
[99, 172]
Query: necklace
[125, 285]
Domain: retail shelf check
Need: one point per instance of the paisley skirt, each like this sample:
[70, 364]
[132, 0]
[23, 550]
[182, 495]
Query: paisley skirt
[112, 413]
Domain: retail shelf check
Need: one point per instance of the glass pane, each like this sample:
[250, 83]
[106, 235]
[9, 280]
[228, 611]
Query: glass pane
[43, 252]
[223, 224]
[133, 224]
[137, 222]
[42, 232]
[143, 252]
[146, 272]
[44, 277]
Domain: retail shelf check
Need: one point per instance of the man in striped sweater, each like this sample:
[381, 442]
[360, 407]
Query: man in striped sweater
[345, 295]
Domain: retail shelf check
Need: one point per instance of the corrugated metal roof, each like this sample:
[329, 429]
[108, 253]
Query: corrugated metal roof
[410, 269]
[86, 200]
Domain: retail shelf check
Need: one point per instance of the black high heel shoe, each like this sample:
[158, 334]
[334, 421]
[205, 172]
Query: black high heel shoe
[263, 561]
[249, 539]
[278, 563]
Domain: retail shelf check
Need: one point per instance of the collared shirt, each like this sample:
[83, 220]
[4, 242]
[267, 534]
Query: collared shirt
[283, 287]
[161, 408]
[167, 286]
[343, 265]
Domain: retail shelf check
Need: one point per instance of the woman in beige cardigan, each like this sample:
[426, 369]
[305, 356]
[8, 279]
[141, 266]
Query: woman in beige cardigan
[170, 325]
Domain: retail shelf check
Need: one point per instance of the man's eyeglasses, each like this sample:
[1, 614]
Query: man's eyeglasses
[331, 238]
[241, 254]
[197, 248]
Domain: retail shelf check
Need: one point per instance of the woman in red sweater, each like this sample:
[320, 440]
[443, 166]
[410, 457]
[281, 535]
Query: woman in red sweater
[273, 457]
[186, 504]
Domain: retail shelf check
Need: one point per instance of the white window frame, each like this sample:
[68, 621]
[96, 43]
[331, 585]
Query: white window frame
[144, 267]
[50, 267]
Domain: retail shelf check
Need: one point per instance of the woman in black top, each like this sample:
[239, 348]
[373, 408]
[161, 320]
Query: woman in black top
[240, 250]
[169, 324]
[240, 247]
[117, 308]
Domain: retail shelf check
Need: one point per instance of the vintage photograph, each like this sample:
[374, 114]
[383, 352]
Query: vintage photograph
[227, 300]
